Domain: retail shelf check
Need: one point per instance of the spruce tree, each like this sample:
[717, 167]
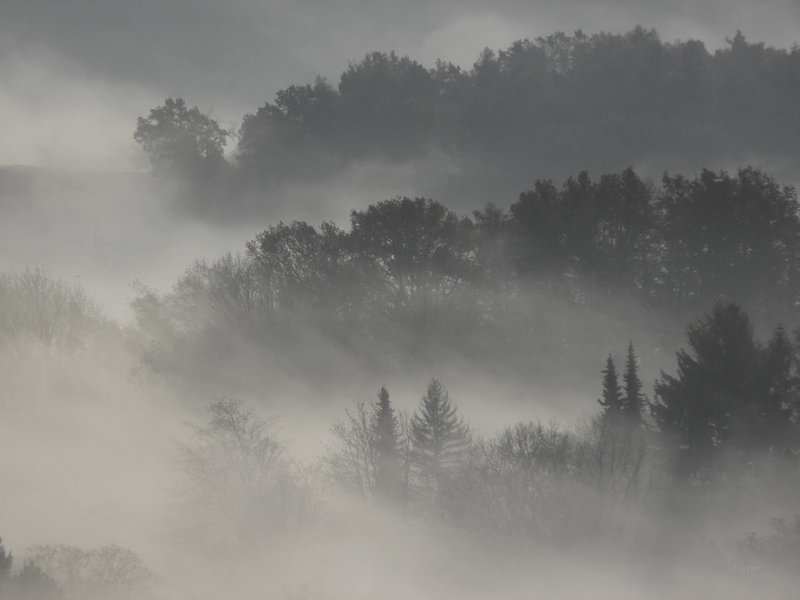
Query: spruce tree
[439, 436]
[633, 400]
[389, 485]
[612, 399]
[709, 407]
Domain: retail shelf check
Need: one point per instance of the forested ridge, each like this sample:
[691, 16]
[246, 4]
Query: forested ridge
[413, 279]
[547, 107]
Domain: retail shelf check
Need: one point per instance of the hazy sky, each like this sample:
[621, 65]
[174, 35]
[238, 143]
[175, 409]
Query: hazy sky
[75, 74]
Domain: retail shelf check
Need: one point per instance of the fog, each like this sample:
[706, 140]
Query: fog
[229, 379]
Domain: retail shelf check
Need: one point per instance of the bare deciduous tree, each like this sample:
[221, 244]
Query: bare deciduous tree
[237, 479]
[107, 573]
[37, 307]
[355, 460]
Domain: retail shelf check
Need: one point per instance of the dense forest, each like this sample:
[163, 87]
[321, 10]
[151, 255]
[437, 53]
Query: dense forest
[410, 281]
[409, 349]
[543, 108]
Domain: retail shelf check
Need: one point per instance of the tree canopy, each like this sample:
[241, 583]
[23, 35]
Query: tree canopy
[549, 105]
[731, 400]
[181, 140]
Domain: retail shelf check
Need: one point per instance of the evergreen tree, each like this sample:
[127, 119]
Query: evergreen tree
[621, 447]
[612, 399]
[385, 426]
[389, 484]
[708, 408]
[632, 400]
[439, 436]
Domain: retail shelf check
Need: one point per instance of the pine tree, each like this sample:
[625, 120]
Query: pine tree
[389, 484]
[439, 436]
[611, 400]
[633, 400]
[621, 447]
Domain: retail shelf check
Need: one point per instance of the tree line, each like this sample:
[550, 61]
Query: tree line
[540, 106]
[58, 572]
[411, 278]
[730, 413]
[722, 426]
[723, 429]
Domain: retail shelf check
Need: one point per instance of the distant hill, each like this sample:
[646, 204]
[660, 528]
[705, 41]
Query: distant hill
[544, 108]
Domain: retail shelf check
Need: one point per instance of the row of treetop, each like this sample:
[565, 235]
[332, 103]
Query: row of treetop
[731, 414]
[548, 106]
[410, 270]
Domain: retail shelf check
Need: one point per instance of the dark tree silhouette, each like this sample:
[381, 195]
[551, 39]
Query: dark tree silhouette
[612, 398]
[299, 267]
[414, 257]
[387, 104]
[729, 236]
[293, 137]
[390, 485]
[440, 438]
[372, 452]
[633, 400]
[706, 409]
[182, 141]
[601, 100]
[413, 278]
[613, 448]
[775, 419]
